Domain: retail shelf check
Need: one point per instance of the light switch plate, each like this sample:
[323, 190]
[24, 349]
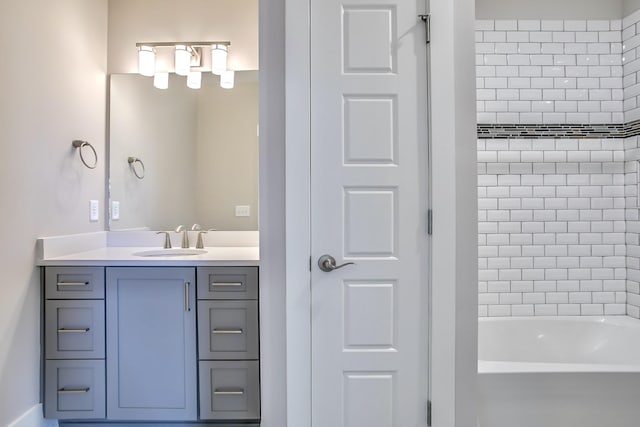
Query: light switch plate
[115, 210]
[243, 211]
[94, 210]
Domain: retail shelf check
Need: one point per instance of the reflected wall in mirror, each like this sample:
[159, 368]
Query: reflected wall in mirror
[199, 149]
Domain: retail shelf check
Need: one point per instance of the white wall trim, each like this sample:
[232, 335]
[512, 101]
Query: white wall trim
[33, 418]
[454, 201]
[298, 226]
[273, 323]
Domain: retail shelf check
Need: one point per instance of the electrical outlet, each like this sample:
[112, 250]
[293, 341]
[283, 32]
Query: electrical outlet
[115, 210]
[94, 210]
[243, 211]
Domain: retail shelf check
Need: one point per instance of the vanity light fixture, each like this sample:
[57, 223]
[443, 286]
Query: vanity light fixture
[146, 60]
[183, 59]
[194, 79]
[227, 79]
[161, 80]
[188, 58]
[219, 53]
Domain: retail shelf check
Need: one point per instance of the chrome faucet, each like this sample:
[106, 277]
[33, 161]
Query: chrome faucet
[167, 239]
[185, 236]
[200, 242]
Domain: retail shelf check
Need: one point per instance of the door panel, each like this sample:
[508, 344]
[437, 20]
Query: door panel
[369, 165]
[151, 344]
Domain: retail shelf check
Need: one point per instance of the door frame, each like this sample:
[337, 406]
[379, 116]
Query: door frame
[285, 213]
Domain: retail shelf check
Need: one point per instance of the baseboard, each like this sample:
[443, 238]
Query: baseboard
[33, 418]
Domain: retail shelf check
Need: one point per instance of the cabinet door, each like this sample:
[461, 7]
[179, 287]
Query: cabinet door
[228, 283]
[74, 329]
[151, 344]
[228, 330]
[74, 282]
[229, 390]
[74, 389]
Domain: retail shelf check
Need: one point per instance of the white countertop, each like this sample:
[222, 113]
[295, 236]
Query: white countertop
[117, 249]
[124, 256]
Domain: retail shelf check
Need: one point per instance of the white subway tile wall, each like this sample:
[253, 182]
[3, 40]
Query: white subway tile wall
[538, 71]
[552, 226]
[631, 67]
[632, 186]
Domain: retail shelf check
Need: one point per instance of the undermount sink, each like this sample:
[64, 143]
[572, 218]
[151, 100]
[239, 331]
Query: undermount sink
[171, 252]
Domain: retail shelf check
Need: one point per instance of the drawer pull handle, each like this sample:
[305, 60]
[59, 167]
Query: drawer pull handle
[227, 331]
[74, 390]
[73, 283]
[228, 392]
[226, 284]
[73, 331]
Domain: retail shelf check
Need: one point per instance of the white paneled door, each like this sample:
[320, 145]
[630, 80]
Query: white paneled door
[369, 190]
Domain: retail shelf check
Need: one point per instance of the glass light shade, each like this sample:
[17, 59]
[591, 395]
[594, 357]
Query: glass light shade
[194, 80]
[227, 79]
[183, 60]
[219, 54]
[146, 61]
[161, 80]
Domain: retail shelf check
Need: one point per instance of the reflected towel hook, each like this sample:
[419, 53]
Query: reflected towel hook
[132, 163]
[80, 145]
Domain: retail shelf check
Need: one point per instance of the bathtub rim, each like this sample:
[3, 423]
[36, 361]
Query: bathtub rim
[507, 367]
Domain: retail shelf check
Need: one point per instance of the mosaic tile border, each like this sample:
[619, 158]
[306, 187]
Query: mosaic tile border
[564, 131]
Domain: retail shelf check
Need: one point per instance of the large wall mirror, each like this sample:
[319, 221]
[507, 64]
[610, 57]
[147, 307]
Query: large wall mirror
[199, 149]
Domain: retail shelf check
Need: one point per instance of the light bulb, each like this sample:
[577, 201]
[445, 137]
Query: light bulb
[227, 79]
[194, 79]
[183, 60]
[161, 80]
[146, 61]
[219, 54]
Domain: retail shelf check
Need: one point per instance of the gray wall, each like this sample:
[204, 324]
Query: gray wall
[53, 83]
[552, 9]
[630, 6]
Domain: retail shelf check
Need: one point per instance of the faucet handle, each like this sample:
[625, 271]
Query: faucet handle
[167, 239]
[196, 227]
[200, 242]
[180, 228]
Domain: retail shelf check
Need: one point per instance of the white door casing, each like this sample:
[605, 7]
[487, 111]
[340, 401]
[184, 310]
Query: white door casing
[369, 161]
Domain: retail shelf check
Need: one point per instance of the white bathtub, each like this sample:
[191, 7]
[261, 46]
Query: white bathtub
[559, 372]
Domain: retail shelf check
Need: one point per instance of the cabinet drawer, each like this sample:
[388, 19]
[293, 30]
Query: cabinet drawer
[74, 329]
[229, 390]
[228, 283]
[74, 282]
[228, 330]
[74, 389]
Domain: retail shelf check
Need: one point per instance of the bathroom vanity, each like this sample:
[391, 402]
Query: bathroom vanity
[162, 338]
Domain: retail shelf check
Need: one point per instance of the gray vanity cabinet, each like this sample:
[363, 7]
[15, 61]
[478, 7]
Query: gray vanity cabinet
[151, 344]
[74, 343]
[124, 345]
[228, 343]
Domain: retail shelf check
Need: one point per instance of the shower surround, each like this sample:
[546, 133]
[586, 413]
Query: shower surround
[557, 159]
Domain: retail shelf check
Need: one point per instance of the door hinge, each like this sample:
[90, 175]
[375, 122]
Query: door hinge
[427, 26]
[429, 222]
[428, 413]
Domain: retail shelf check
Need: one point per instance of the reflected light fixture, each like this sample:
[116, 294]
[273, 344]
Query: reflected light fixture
[227, 79]
[219, 53]
[194, 79]
[183, 60]
[161, 80]
[146, 60]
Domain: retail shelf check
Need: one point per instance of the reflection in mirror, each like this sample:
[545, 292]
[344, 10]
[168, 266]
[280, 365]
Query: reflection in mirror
[199, 149]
